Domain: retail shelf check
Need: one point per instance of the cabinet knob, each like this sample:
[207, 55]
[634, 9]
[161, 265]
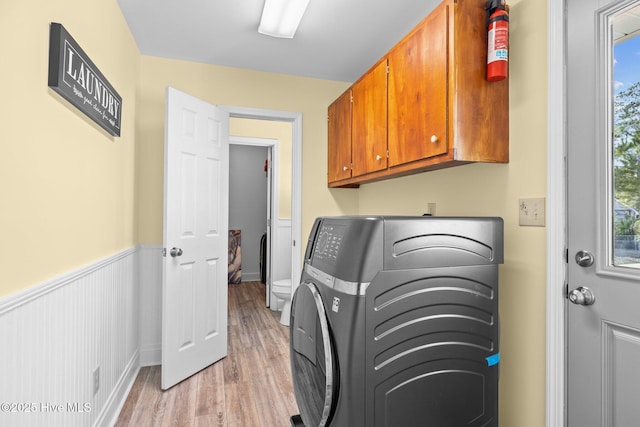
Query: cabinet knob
[434, 139]
[378, 157]
[344, 168]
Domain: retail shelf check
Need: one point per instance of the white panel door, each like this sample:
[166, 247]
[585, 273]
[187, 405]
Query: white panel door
[603, 329]
[194, 306]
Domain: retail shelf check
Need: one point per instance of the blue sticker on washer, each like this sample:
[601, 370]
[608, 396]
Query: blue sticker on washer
[494, 359]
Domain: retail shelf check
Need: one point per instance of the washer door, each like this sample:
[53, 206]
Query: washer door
[313, 364]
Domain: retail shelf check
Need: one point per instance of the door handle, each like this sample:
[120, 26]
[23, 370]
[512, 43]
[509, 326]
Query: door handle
[582, 296]
[175, 252]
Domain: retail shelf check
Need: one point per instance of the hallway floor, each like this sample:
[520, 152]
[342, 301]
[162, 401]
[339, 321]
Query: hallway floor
[251, 387]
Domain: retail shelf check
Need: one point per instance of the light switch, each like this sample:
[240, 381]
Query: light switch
[532, 212]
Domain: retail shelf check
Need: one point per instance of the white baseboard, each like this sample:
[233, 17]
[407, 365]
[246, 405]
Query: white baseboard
[151, 355]
[116, 401]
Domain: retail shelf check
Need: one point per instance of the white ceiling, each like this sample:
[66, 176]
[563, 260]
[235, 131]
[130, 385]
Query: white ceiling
[336, 40]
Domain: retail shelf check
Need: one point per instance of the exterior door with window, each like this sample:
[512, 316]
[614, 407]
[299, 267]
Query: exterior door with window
[603, 164]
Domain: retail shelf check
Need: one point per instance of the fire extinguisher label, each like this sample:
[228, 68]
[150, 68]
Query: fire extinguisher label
[498, 48]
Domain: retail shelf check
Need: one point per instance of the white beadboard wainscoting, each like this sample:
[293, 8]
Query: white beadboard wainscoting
[54, 336]
[150, 262]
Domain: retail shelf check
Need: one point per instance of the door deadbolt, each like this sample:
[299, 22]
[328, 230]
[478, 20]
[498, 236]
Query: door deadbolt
[584, 258]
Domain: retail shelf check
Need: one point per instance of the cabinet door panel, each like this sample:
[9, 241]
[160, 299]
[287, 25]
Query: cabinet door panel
[339, 133]
[369, 132]
[418, 107]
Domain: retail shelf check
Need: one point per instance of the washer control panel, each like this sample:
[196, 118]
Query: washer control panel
[330, 239]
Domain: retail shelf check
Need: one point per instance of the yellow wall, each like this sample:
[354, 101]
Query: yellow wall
[281, 132]
[494, 190]
[67, 192]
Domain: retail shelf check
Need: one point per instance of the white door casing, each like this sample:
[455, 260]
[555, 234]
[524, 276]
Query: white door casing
[603, 339]
[272, 190]
[295, 118]
[195, 238]
[556, 216]
[273, 203]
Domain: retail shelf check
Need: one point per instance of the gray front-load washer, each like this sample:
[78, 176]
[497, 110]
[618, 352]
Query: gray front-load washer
[395, 322]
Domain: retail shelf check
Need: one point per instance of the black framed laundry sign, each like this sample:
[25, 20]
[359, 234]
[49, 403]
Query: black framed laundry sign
[77, 79]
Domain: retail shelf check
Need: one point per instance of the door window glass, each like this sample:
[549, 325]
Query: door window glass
[625, 213]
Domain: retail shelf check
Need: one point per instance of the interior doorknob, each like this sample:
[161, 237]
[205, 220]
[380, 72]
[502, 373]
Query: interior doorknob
[175, 252]
[582, 296]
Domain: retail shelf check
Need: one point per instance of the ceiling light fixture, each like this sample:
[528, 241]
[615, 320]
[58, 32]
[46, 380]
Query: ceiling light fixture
[280, 18]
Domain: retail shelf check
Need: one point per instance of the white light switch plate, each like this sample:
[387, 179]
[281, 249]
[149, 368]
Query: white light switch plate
[532, 212]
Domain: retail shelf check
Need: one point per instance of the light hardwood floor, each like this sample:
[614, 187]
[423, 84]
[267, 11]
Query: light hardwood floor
[251, 387]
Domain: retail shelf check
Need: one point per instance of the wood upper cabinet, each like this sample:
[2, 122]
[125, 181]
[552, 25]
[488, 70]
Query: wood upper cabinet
[432, 106]
[417, 85]
[369, 121]
[339, 132]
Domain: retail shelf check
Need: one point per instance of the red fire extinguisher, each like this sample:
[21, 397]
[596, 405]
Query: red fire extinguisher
[498, 40]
